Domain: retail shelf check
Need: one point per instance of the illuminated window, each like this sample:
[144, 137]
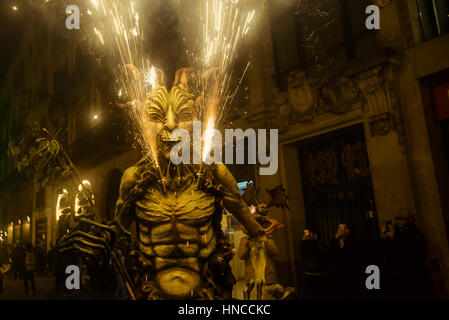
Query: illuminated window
[61, 203]
[85, 184]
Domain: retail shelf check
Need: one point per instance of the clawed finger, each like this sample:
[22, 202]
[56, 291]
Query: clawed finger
[81, 248]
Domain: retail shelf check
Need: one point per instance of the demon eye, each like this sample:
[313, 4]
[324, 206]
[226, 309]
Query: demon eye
[155, 115]
[186, 115]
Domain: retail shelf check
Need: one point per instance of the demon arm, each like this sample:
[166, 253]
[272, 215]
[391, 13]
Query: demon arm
[234, 203]
[123, 216]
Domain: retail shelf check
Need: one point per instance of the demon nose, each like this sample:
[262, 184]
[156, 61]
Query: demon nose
[170, 120]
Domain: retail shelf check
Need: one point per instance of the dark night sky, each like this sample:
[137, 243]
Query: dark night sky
[11, 27]
[163, 24]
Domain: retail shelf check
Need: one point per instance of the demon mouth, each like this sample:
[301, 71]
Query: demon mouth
[164, 138]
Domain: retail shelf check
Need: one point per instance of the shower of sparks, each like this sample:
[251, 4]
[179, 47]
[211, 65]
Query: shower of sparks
[95, 3]
[151, 77]
[116, 28]
[208, 136]
[224, 24]
[116, 25]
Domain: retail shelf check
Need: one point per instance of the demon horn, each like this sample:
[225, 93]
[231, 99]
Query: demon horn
[182, 78]
[161, 79]
[132, 70]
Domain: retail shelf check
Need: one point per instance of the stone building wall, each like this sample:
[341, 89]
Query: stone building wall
[98, 176]
[46, 63]
[385, 97]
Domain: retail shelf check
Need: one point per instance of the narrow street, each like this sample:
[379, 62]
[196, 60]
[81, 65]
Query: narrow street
[15, 290]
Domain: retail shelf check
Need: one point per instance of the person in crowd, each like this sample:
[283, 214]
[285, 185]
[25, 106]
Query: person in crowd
[405, 259]
[5, 263]
[39, 253]
[346, 265]
[50, 258]
[14, 261]
[315, 269]
[30, 268]
[18, 260]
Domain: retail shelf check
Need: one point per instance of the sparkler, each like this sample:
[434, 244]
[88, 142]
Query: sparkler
[224, 24]
[208, 139]
[117, 27]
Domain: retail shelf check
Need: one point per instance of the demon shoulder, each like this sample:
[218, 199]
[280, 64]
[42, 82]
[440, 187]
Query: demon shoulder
[129, 179]
[226, 179]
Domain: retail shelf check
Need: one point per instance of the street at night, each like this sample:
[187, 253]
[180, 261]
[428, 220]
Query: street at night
[241, 153]
[14, 289]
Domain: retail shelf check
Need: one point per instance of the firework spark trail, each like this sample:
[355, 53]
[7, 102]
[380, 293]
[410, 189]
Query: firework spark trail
[116, 25]
[224, 24]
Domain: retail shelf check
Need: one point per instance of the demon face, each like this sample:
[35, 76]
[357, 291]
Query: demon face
[172, 109]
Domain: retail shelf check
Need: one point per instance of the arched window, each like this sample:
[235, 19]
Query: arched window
[62, 202]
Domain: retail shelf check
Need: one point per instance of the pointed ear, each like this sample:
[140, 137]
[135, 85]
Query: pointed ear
[199, 105]
[133, 71]
[161, 79]
[209, 74]
[183, 77]
[199, 101]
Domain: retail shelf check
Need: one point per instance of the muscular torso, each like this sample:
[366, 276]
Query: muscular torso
[176, 234]
[179, 234]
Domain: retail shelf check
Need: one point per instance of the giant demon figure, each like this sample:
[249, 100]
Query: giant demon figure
[180, 251]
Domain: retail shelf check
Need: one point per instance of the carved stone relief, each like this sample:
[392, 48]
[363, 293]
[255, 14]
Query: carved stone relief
[354, 158]
[381, 108]
[308, 98]
[302, 97]
[322, 167]
[381, 124]
[340, 95]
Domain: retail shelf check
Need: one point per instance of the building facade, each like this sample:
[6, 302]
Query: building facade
[45, 84]
[359, 134]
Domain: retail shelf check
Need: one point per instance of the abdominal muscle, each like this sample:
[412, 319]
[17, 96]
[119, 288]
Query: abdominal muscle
[178, 283]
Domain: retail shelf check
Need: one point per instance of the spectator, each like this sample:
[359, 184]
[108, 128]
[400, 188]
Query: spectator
[315, 271]
[30, 268]
[50, 257]
[4, 264]
[405, 250]
[18, 260]
[40, 257]
[346, 262]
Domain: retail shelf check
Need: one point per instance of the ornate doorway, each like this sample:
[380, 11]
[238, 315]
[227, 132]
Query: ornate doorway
[337, 185]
